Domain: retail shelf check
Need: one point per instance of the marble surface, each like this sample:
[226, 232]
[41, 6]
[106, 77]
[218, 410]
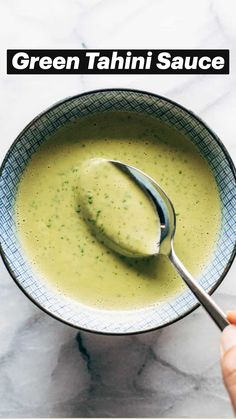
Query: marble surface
[49, 369]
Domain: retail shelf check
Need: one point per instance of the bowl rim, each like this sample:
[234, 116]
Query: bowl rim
[88, 93]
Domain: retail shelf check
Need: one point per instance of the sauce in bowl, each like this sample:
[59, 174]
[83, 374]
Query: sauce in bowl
[60, 242]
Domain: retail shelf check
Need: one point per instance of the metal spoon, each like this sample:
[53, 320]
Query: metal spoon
[166, 214]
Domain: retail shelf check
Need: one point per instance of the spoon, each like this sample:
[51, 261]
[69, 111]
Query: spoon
[166, 213]
[164, 210]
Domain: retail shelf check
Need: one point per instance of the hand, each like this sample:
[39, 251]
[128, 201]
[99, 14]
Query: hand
[228, 357]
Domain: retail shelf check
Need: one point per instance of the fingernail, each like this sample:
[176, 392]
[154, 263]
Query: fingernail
[228, 338]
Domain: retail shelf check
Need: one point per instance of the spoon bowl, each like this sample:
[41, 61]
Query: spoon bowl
[163, 206]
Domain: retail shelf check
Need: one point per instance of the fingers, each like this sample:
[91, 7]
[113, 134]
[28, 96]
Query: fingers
[231, 316]
[228, 361]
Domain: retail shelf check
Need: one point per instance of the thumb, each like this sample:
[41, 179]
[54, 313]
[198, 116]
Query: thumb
[228, 361]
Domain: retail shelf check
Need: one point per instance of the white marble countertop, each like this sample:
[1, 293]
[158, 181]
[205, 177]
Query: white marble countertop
[49, 369]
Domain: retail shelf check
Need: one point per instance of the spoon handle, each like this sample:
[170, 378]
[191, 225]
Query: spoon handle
[217, 315]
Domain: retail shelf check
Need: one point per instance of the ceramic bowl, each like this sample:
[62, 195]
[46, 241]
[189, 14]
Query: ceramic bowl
[27, 143]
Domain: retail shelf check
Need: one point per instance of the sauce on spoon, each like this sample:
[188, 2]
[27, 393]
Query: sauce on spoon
[119, 212]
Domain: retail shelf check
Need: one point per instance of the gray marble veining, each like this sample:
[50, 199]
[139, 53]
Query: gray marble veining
[46, 368]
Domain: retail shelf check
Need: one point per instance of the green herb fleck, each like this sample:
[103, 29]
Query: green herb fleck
[90, 199]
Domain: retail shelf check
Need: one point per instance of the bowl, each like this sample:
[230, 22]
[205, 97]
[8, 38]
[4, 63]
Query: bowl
[27, 143]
